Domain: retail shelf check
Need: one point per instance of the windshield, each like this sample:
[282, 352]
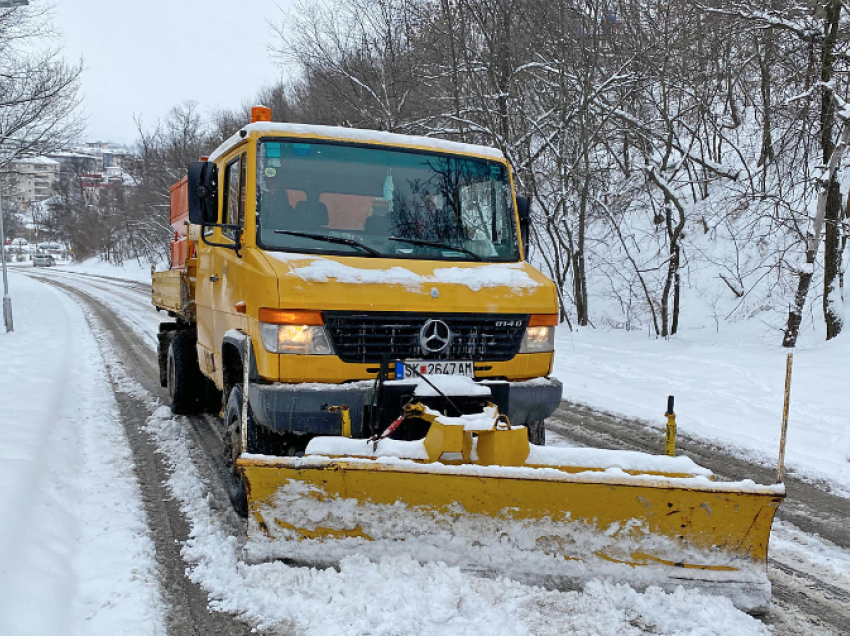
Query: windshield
[364, 201]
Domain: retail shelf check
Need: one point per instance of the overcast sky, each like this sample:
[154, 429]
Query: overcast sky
[144, 56]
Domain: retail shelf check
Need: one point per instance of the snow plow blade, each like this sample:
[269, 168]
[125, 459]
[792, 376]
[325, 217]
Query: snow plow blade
[483, 499]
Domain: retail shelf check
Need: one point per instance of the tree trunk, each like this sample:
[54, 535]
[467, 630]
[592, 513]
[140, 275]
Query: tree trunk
[765, 61]
[795, 314]
[674, 327]
[832, 253]
[665, 294]
[670, 323]
[579, 269]
[832, 300]
[829, 198]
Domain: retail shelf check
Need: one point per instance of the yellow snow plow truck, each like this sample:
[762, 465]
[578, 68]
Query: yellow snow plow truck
[358, 306]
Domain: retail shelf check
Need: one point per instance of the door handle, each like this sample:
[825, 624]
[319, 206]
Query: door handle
[214, 278]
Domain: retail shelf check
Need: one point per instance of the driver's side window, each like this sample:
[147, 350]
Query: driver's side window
[233, 205]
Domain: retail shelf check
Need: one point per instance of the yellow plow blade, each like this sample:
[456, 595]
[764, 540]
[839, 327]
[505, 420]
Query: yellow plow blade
[554, 526]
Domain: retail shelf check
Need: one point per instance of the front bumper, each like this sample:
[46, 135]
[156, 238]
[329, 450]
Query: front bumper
[302, 408]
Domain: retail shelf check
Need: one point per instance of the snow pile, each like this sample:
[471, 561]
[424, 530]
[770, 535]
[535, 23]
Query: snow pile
[74, 548]
[476, 277]
[602, 459]
[489, 276]
[483, 421]
[534, 550]
[616, 462]
[343, 446]
[322, 270]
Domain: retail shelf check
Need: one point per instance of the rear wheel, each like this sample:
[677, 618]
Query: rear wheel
[183, 376]
[233, 449]
[536, 432]
[212, 397]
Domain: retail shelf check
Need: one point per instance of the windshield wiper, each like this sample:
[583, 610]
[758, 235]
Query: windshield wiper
[332, 239]
[434, 244]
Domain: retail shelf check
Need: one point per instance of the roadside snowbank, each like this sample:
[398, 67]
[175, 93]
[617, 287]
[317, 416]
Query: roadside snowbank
[728, 388]
[74, 552]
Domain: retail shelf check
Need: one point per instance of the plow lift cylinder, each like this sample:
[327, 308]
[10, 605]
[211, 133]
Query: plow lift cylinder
[670, 439]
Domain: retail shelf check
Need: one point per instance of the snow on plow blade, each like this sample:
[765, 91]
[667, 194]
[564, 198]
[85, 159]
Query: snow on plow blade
[557, 517]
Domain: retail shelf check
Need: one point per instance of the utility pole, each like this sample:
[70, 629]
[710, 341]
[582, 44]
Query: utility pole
[7, 301]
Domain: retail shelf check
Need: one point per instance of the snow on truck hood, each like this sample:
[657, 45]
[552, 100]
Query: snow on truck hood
[417, 285]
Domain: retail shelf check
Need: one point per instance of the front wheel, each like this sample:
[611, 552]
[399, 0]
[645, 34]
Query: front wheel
[236, 489]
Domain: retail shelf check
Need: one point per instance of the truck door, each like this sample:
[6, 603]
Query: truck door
[227, 265]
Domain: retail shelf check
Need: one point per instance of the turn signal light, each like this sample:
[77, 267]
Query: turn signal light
[543, 320]
[290, 316]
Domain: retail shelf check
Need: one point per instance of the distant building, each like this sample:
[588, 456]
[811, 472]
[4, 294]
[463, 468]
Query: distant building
[107, 154]
[72, 171]
[72, 167]
[32, 180]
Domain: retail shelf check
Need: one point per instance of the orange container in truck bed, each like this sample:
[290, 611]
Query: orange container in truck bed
[180, 246]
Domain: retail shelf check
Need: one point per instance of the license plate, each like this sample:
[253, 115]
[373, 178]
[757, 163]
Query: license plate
[433, 367]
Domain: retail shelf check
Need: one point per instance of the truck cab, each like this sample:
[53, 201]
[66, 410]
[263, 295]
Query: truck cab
[353, 270]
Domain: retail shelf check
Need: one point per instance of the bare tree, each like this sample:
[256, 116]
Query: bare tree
[357, 58]
[832, 212]
[38, 89]
[642, 131]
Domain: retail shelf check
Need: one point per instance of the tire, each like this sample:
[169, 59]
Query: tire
[536, 432]
[233, 448]
[167, 331]
[183, 376]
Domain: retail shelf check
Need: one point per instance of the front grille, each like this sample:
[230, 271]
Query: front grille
[368, 337]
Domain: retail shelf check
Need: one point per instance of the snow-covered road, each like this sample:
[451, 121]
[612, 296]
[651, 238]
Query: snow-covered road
[390, 596]
[75, 553]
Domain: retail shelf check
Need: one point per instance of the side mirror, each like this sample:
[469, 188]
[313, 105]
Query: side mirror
[203, 192]
[523, 208]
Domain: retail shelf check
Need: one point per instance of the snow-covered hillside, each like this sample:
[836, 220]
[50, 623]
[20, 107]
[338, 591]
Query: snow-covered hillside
[728, 387]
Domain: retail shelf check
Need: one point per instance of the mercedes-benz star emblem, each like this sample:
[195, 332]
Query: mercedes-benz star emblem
[435, 336]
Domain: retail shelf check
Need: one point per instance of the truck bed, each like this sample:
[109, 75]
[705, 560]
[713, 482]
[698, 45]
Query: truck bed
[174, 291]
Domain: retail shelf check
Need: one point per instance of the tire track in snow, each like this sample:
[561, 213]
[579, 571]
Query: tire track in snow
[131, 300]
[115, 280]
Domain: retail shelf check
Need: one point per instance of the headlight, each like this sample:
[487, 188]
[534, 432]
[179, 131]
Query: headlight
[299, 332]
[538, 340]
[540, 335]
[303, 339]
